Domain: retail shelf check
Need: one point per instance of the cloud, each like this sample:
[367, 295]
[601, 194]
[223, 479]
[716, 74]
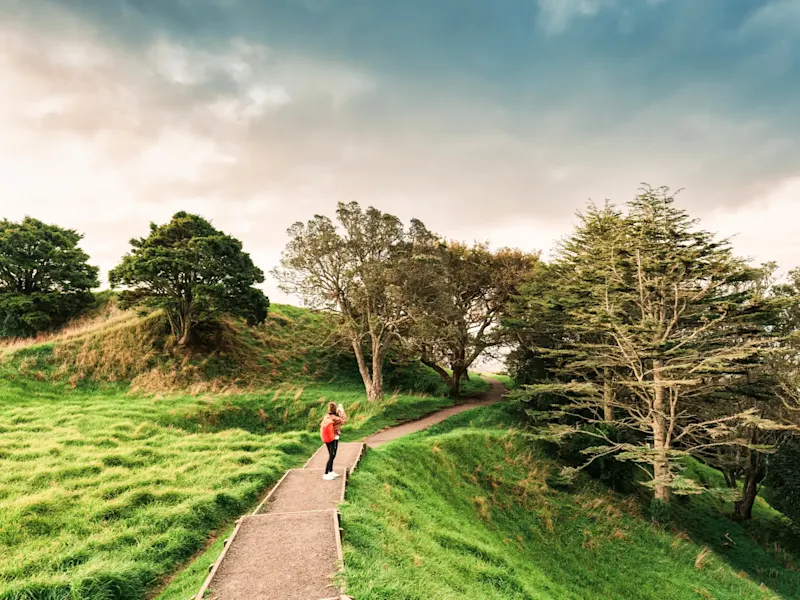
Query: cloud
[258, 114]
[556, 15]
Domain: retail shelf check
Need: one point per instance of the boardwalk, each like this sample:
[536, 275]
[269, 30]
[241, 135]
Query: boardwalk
[290, 547]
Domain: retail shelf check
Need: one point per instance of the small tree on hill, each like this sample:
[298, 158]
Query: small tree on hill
[193, 272]
[354, 270]
[44, 277]
[457, 301]
[664, 309]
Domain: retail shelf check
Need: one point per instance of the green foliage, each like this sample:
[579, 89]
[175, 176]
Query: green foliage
[464, 511]
[455, 295]
[622, 476]
[192, 271]
[352, 270]
[642, 321]
[783, 479]
[44, 277]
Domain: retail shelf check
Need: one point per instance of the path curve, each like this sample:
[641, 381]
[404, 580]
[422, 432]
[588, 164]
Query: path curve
[493, 396]
[290, 547]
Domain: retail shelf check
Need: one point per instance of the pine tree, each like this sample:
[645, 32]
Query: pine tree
[666, 310]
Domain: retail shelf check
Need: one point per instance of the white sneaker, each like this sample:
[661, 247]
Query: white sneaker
[333, 475]
[327, 477]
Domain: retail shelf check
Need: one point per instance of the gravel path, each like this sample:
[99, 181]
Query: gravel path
[291, 549]
[494, 395]
[304, 490]
[280, 557]
[346, 457]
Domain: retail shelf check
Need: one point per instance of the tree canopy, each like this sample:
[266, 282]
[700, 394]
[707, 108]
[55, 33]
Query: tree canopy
[665, 313]
[456, 303]
[193, 272]
[45, 278]
[354, 270]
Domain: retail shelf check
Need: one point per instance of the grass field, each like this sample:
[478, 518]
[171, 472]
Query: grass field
[464, 511]
[103, 492]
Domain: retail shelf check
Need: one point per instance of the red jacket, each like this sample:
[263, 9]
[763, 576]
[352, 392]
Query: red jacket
[337, 422]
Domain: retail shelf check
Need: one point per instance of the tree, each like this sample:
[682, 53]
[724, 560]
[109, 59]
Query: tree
[44, 277]
[193, 272]
[543, 310]
[665, 309]
[783, 479]
[354, 270]
[755, 388]
[457, 301]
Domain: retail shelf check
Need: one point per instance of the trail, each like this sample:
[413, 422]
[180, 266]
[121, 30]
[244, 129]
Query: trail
[290, 548]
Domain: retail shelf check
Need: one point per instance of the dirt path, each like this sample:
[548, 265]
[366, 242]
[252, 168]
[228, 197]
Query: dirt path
[290, 548]
[494, 395]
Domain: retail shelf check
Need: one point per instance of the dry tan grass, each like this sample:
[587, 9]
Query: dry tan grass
[109, 318]
[702, 557]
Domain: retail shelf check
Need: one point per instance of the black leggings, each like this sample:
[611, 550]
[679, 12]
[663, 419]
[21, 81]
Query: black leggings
[332, 448]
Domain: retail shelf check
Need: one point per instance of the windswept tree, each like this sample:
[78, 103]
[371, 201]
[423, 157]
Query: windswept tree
[356, 271]
[44, 277]
[193, 272]
[667, 309]
[456, 302]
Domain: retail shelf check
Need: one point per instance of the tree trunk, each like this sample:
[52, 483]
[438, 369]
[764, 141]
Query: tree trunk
[376, 391]
[446, 377]
[608, 397]
[455, 385]
[185, 331]
[743, 508]
[661, 470]
[362, 365]
[730, 478]
[466, 374]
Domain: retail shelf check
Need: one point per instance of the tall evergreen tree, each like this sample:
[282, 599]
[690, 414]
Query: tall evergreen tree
[660, 305]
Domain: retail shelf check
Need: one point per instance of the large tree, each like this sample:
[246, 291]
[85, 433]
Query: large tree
[756, 388]
[356, 271]
[456, 302]
[549, 342]
[666, 311]
[193, 272]
[44, 277]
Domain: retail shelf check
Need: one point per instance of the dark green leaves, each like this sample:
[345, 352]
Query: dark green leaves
[44, 277]
[192, 271]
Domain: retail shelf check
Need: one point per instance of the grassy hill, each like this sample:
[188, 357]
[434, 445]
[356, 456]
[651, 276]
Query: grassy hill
[120, 458]
[464, 510]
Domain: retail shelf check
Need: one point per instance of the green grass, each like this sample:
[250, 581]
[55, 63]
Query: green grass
[120, 464]
[506, 380]
[104, 492]
[464, 510]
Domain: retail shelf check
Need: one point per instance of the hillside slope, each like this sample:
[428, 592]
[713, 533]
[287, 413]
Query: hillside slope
[293, 345]
[120, 460]
[464, 510]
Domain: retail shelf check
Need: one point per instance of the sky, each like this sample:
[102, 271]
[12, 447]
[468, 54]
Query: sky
[490, 121]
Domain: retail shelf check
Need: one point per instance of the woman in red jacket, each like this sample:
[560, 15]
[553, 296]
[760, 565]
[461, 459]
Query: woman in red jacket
[333, 420]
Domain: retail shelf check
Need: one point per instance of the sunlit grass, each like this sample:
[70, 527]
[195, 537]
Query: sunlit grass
[464, 511]
[104, 492]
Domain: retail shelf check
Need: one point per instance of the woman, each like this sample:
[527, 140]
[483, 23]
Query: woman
[330, 430]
